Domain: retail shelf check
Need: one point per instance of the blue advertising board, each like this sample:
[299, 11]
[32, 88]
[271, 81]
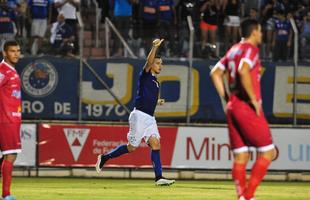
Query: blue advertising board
[51, 90]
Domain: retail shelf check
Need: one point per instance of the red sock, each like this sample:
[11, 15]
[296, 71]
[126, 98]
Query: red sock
[7, 168]
[258, 172]
[239, 176]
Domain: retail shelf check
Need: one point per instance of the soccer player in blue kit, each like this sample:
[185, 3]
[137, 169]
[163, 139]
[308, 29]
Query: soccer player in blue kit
[142, 123]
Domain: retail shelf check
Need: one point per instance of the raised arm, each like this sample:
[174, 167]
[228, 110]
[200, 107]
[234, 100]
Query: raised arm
[151, 57]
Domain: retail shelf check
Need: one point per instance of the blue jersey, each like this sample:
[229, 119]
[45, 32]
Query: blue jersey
[122, 8]
[148, 90]
[6, 23]
[39, 8]
[149, 9]
[165, 9]
[63, 31]
[282, 30]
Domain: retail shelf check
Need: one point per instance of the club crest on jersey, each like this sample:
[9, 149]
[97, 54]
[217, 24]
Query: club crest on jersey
[16, 94]
[39, 78]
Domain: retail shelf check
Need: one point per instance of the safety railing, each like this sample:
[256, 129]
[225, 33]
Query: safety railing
[108, 25]
[295, 30]
[81, 51]
[190, 61]
[97, 11]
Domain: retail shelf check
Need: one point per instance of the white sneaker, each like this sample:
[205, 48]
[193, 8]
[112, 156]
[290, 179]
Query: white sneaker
[164, 182]
[242, 198]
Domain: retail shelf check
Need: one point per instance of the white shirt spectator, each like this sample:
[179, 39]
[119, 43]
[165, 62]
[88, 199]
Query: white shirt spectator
[68, 10]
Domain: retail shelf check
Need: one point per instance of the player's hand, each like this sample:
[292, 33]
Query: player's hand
[224, 105]
[157, 42]
[257, 106]
[160, 102]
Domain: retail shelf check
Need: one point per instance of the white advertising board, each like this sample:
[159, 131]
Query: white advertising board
[208, 148]
[28, 135]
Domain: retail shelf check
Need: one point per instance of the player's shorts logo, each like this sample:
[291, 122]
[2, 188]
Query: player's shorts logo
[39, 78]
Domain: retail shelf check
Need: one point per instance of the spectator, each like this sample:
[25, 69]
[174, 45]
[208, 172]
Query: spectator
[282, 37]
[232, 22]
[149, 17]
[104, 6]
[122, 12]
[40, 14]
[253, 14]
[305, 34]
[208, 25]
[13, 6]
[136, 19]
[68, 8]
[186, 8]
[21, 18]
[62, 37]
[249, 5]
[268, 19]
[6, 24]
[167, 24]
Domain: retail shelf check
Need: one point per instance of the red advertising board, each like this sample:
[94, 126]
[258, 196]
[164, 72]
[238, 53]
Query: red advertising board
[79, 145]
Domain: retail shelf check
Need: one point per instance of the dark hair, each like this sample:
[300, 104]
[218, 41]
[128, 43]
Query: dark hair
[248, 26]
[9, 43]
[158, 56]
[254, 9]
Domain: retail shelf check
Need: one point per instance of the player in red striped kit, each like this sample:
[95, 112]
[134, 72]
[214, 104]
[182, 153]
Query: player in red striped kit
[10, 113]
[246, 122]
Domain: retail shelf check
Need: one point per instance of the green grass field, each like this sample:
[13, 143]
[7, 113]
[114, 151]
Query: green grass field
[132, 189]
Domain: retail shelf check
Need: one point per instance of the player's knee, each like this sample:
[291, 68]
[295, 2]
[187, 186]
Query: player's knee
[154, 143]
[270, 155]
[241, 157]
[273, 153]
[10, 157]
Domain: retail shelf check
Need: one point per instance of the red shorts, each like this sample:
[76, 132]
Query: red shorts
[205, 26]
[10, 138]
[246, 128]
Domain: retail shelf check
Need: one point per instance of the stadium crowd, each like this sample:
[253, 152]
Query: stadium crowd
[53, 23]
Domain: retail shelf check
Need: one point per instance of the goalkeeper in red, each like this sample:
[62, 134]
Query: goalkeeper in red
[246, 122]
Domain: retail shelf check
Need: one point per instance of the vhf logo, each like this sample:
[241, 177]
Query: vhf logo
[76, 138]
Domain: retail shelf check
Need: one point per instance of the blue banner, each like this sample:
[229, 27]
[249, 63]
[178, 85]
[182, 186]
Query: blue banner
[51, 90]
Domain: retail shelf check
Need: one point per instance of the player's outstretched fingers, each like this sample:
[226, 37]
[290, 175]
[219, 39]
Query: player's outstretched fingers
[160, 101]
[161, 40]
[157, 42]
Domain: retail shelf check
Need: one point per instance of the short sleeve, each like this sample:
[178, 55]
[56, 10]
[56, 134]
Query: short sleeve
[250, 57]
[221, 64]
